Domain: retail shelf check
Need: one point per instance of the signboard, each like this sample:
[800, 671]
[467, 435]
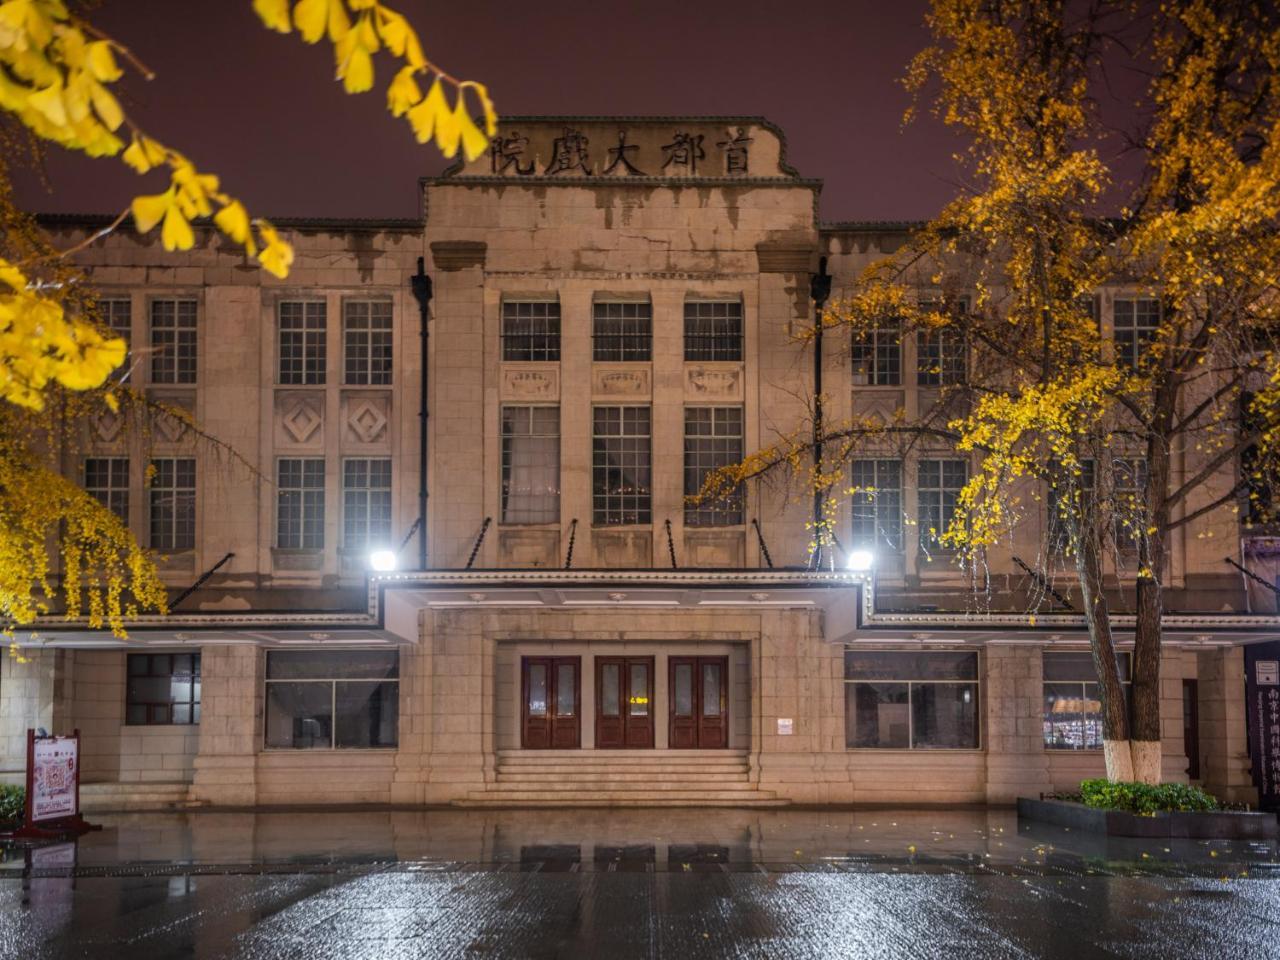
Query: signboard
[1262, 693]
[786, 726]
[54, 778]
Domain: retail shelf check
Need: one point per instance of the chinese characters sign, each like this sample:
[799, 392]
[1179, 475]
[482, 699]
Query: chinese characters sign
[53, 776]
[1262, 687]
[674, 149]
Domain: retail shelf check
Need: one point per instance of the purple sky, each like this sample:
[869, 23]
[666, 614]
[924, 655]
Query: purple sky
[263, 112]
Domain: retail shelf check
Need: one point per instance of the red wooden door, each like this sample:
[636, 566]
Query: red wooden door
[624, 702]
[551, 700]
[699, 696]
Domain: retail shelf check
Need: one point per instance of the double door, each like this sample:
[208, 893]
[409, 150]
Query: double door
[624, 702]
[699, 697]
[551, 703]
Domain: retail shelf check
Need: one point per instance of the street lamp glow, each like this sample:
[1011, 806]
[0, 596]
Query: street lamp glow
[861, 560]
[382, 560]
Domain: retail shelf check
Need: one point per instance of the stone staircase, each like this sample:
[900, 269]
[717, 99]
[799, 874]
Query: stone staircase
[622, 778]
[135, 796]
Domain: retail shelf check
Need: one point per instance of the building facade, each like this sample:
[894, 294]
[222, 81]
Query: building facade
[582, 324]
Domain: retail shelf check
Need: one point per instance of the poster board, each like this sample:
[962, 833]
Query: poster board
[1262, 690]
[53, 778]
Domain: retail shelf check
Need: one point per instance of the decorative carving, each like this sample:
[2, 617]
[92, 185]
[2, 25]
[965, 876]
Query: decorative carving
[107, 425]
[618, 155]
[709, 381]
[569, 152]
[451, 255]
[684, 150]
[367, 420]
[620, 381]
[170, 427]
[735, 152]
[520, 383]
[302, 420]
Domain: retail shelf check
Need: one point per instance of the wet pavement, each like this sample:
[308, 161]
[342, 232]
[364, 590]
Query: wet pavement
[622, 884]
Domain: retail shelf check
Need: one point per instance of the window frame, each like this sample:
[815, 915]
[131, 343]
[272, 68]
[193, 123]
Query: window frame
[606, 505]
[731, 509]
[368, 351]
[368, 491]
[1127, 685]
[1127, 541]
[304, 347]
[177, 368]
[192, 703]
[116, 487]
[722, 339]
[1137, 336]
[949, 360]
[332, 682]
[108, 309]
[530, 345]
[172, 543]
[879, 348]
[911, 684]
[506, 454]
[877, 504]
[633, 336]
[930, 543]
[306, 507]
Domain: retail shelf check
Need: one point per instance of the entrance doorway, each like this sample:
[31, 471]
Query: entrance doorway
[624, 702]
[699, 703]
[1191, 726]
[551, 703]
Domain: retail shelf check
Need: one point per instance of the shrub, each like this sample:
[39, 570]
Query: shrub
[1145, 798]
[13, 801]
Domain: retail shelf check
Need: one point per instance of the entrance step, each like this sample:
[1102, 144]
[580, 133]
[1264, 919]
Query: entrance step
[135, 796]
[488, 801]
[569, 785]
[598, 775]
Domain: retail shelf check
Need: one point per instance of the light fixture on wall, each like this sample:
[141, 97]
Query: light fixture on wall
[382, 561]
[861, 560]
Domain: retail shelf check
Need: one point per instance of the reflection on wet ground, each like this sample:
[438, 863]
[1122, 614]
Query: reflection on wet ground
[670, 883]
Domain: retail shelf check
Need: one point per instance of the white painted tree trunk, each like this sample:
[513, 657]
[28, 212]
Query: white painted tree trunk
[1119, 757]
[1146, 760]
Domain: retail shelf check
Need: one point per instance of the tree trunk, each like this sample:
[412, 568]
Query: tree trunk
[1149, 607]
[1115, 718]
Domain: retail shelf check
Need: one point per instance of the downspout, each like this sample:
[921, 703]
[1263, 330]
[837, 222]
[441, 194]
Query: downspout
[420, 283]
[819, 290]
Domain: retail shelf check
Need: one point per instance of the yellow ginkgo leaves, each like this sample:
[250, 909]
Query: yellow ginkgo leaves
[358, 29]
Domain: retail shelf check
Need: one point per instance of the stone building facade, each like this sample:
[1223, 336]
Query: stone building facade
[612, 307]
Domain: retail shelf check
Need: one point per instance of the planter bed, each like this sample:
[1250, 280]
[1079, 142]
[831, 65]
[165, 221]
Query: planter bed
[1216, 825]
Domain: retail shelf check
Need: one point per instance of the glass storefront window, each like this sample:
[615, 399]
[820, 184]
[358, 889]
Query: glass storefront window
[325, 699]
[1072, 701]
[911, 700]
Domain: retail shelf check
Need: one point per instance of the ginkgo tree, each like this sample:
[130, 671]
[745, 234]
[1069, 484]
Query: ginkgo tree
[58, 80]
[1127, 434]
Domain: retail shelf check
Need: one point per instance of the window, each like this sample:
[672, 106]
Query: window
[940, 353]
[1072, 704]
[1068, 500]
[622, 331]
[172, 496]
[530, 464]
[713, 330]
[938, 487]
[326, 699]
[1129, 484]
[620, 465]
[530, 330]
[877, 505]
[910, 700]
[173, 341]
[117, 316]
[162, 688]
[366, 342]
[300, 504]
[877, 355]
[366, 504]
[302, 341]
[712, 439]
[1258, 480]
[106, 479]
[1136, 322]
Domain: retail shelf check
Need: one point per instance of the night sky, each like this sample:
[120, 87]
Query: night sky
[263, 112]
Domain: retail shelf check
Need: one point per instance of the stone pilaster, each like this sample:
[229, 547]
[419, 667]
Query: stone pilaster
[1224, 742]
[29, 695]
[230, 726]
[1014, 695]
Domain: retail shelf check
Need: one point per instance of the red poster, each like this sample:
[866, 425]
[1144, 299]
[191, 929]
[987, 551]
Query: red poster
[54, 772]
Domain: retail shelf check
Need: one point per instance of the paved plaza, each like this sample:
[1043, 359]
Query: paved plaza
[621, 884]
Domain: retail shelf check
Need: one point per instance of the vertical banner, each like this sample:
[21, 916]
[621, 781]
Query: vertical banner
[54, 778]
[1262, 695]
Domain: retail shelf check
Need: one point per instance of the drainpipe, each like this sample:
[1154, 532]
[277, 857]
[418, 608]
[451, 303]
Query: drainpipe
[819, 290]
[420, 283]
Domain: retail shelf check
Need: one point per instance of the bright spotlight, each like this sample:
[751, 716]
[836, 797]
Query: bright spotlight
[861, 560]
[382, 560]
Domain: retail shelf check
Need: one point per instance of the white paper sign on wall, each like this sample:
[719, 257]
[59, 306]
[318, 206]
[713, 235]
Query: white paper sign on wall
[1268, 672]
[786, 726]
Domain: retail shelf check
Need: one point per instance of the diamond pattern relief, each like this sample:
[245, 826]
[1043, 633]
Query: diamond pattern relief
[302, 421]
[367, 421]
[170, 428]
[107, 425]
